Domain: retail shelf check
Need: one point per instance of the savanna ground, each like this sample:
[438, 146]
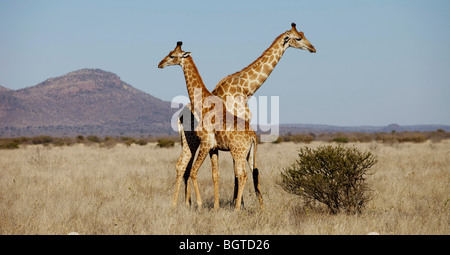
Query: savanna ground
[122, 189]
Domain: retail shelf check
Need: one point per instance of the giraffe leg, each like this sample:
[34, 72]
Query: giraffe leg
[187, 186]
[198, 162]
[242, 178]
[236, 186]
[189, 144]
[257, 189]
[181, 166]
[193, 143]
[184, 162]
[214, 154]
[251, 159]
[180, 173]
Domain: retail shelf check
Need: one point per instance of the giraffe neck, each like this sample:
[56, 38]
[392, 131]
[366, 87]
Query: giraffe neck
[262, 67]
[254, 75]
[194, 83]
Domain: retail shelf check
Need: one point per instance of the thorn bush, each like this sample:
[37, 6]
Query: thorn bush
[332, 175]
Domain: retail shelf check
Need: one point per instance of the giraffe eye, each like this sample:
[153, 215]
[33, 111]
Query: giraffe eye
[298, 39]
[172, 57]
[286, 39]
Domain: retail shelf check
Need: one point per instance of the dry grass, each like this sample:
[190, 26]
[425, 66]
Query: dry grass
[127, 190]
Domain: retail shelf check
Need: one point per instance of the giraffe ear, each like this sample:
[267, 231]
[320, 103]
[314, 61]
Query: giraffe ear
[186, 54]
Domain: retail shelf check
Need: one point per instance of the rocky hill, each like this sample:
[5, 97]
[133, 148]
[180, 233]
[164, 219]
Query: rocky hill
[87, 101]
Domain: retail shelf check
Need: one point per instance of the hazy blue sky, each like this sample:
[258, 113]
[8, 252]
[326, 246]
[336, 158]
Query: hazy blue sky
[377, 62]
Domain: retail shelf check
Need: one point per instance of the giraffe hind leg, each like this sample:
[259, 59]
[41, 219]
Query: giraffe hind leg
[236, 188]
[193, 142]
[203, 151]
[257, 189]
[251, 159]
[187, 186]
[189, 145]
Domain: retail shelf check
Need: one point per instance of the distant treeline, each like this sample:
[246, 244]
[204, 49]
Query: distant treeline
[136, 129]
[107, 141]
[169, 141]
[347, 137]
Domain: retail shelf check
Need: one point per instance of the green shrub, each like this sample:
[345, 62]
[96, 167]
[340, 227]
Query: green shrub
[305, 138]
[43, 139]
[165, 143]
[341, 140]
[9, 144]
[141, 142]
[79, 138]
[23, 140]
[334, 176]
[59, 142]
[93, 138]
[412, 137]
[126, 138]
[297, 138]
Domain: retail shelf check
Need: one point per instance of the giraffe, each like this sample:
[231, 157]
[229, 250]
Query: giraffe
[235, 90]
[214, 133]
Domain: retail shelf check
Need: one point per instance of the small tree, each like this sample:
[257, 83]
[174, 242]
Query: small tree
[79, 138]
[334, 176]
[165, 143]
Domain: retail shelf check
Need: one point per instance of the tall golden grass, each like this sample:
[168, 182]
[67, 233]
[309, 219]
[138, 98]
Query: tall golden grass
[127, 190]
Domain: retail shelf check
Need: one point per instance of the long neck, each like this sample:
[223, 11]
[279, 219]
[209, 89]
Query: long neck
[194, 83]
[257, 72]
[262, 67]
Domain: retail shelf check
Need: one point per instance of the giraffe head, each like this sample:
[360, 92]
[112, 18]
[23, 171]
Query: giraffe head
[175, 57]
[295, 39]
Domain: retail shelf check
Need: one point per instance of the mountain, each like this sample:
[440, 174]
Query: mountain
[3, 89]
[87, 101]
